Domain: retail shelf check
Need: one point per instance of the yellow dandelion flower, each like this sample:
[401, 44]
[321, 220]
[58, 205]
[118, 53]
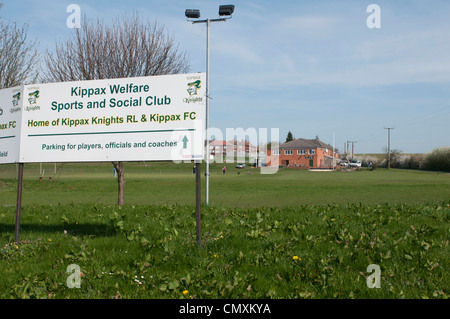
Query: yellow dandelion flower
[185, 292]
[296, 258]
[215, 255]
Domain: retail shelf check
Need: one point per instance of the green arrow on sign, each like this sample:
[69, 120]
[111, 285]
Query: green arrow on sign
[185, 140]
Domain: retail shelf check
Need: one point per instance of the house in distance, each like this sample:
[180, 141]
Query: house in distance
[303, 153]
[219, 149]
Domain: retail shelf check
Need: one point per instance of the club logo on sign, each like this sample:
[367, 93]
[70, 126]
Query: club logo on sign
[16, 99]
[33, 96]
[193, 87]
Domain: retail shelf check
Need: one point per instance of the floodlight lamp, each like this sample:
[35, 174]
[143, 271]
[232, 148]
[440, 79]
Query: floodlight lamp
[226, 10]
[192, 13]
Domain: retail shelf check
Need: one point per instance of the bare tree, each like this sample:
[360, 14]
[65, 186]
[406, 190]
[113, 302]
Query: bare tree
[392, 158]
[18, 56]
[128, 48]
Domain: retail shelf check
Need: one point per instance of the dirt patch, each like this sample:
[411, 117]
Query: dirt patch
[4, 184]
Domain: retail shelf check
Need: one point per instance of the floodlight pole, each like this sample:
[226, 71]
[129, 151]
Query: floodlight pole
[208, 22]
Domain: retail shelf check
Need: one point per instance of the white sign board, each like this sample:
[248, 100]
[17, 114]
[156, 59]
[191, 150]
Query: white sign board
[10, 119]
[132, 119]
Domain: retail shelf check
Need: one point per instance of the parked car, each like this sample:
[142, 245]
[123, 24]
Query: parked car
[240, 165]
[355, 163]
[343, 163]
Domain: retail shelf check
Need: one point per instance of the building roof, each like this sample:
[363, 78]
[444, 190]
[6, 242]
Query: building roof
[218, 143]
[303, 143]
[241, 142]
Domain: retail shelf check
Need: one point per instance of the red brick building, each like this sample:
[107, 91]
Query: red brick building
[302, 153]
[220, 148]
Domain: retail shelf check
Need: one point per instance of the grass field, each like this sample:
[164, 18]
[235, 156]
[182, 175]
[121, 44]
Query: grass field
[169, 183]
[294, 234]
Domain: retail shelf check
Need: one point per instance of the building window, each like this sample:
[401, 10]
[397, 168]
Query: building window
[301, 152]
[276, 152]
[288, 152]
[312, 152]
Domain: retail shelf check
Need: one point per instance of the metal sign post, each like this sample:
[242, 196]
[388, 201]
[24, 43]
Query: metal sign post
[19, 202]
[198, 204]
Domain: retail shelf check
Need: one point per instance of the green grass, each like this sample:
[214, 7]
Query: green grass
[151, 252]
[337, 223]
[168, 183]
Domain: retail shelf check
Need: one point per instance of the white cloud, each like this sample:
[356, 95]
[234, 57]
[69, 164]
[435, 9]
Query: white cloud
[388, 58]
[238, 50]
[308, 23]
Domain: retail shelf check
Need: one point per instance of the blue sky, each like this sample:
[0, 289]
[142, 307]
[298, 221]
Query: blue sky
[309, 67]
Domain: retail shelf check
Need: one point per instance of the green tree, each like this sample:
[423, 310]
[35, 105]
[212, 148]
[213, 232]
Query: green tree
[438, 159]
[289, 137]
